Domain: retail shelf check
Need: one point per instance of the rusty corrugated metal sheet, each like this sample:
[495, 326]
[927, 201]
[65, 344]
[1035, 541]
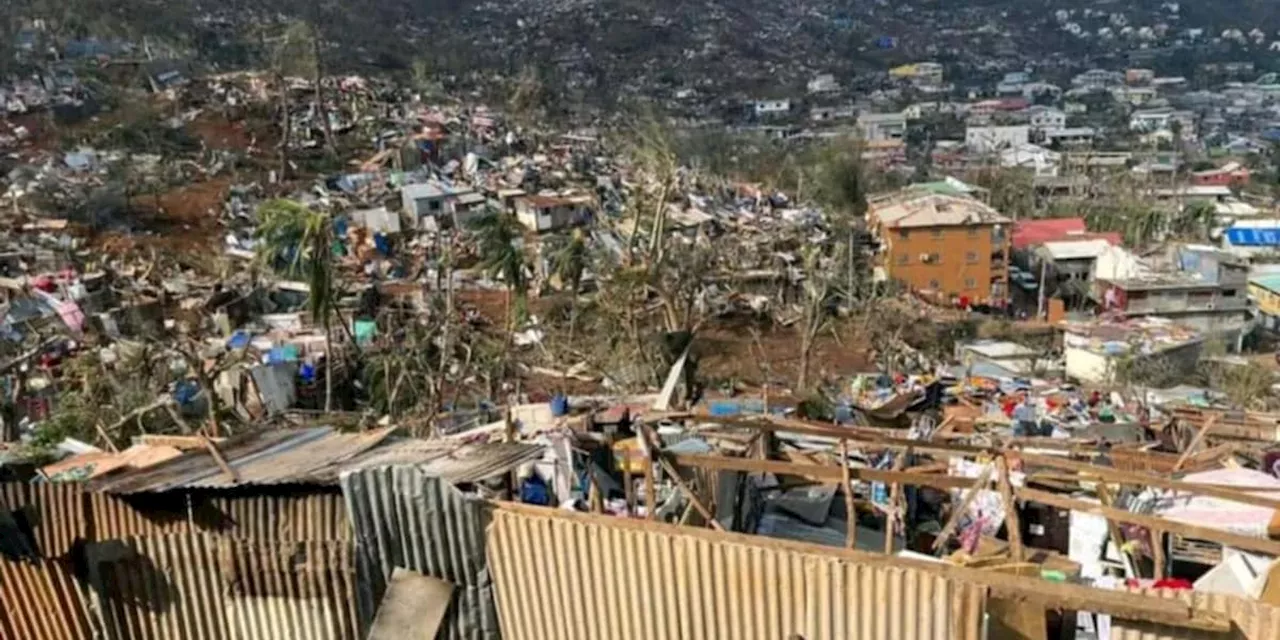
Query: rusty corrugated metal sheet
[405, 517]
[205, 587]
[158, 588]
[448, 460]
[42, 600]
[1252, 620]
[54, 512]
[320, 517]
[303, 456]
[290, 590]
[561, 577]
[114, 518]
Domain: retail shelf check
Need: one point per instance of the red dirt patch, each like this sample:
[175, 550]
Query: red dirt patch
[220, 133]
[184, 219]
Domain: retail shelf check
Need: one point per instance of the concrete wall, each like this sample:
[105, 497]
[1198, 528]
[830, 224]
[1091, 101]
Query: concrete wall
[963, 264]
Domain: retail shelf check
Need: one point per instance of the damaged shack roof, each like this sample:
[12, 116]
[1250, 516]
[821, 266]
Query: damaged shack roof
[313, 456]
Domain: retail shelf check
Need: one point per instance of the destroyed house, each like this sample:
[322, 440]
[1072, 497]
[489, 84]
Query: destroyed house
[550, 213]
[240, 537]
[447, 205]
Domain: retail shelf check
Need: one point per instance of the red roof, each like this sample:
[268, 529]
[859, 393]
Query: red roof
[1028, 233]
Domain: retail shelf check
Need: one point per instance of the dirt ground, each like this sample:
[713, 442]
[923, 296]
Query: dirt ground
[219, 133]
[184, 219]
[733, 353]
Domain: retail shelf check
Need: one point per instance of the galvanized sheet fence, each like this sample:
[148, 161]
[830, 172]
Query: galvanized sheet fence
[569, 578]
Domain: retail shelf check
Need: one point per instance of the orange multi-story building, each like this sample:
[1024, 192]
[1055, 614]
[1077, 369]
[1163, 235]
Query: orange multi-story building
[952, 245]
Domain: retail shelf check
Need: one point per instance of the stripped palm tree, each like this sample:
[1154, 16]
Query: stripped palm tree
[569, 263]
[297, 242]
[502, 257]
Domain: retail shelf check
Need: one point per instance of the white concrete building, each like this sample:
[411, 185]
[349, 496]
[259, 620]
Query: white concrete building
[1046, 119]
[994, 138]
[875, 127]
[771, 107]
[823, 83]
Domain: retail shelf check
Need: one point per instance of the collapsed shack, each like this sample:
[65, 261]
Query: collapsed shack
[234, 537]
[1074, 510]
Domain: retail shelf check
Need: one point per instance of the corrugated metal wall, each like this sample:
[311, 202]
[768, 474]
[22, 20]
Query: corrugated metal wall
[113, 518]
[290, 590]
[41, 600]
[203, 587]
[54, 512]
[296, 518]
[404, 517]
[158, 588]
[1253, 620]
[173, 567]
[558, 577]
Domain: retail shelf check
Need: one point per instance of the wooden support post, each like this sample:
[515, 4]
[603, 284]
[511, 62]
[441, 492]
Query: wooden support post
[693, 497]
[595, 497]
[954, 520]
[1195, 442]
[846, 485]
[509, 435]
[1113, 529]
[895, 500]
[647, 446]
[629, 487]
[222, 462]
[1012, 522]
[1157, 553]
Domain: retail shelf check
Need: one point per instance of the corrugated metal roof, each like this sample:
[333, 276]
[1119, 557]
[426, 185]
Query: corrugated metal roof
[449, 461]
[404, 516]
[316, 456]
[267, 458]
[559, 577]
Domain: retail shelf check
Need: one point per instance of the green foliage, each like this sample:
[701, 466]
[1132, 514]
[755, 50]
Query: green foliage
[500, 237]
[570, 259]
[839, 179]
[297, 242]
[1246, 386]
[295, 51]
[1011, 191]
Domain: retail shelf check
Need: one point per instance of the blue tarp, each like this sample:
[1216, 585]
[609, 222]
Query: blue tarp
[1254, 236]
[722, 408]
[239, 340]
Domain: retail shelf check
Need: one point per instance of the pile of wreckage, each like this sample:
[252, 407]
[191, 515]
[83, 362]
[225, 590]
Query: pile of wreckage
[1163, 525]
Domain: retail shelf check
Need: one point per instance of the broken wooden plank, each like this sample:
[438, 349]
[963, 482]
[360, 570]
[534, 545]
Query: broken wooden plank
[693, 497]
[1195, 442]
[1012, 522]
[227, 471]
[1269, 547]
[954, 521]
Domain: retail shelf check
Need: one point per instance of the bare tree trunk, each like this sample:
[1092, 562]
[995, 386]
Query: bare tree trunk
[328, 362]
[286, 127]
[803, 382]
[322, 111]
